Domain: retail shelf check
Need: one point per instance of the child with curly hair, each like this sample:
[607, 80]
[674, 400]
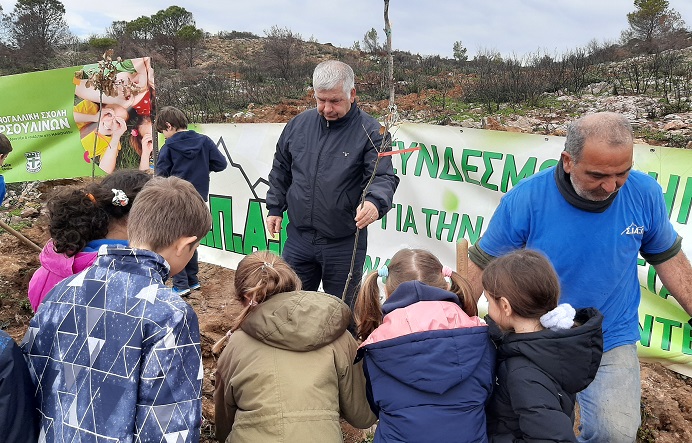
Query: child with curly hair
[82, 219]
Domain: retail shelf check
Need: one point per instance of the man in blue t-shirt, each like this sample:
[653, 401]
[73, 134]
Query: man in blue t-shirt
[5, 149]
[592, 215]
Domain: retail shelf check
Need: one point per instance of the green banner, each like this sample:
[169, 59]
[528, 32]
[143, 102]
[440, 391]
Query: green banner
[61, 126]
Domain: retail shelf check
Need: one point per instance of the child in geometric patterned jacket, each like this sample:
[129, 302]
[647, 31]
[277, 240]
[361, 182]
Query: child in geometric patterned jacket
[113, 352]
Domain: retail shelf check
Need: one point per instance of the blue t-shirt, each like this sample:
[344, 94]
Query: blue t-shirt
[594, 254]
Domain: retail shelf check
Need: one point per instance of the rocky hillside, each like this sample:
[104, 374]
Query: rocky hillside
[660, 115]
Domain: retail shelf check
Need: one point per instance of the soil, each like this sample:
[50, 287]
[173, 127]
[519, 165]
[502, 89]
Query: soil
[666, 395]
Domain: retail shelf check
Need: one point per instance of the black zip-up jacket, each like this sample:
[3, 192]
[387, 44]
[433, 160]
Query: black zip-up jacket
[538, 377]
[18, 414]
[321, 168]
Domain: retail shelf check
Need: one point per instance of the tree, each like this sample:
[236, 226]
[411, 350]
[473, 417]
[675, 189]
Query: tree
[191, 37]
[653, 19]
[459, 52]
[371, 41]
[37, 27]
[166, 25]
[141, 30]
[282, 50]
[102, 43]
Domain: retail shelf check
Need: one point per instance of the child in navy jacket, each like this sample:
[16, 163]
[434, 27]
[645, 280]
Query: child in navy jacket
[429, 362]
[190, 156]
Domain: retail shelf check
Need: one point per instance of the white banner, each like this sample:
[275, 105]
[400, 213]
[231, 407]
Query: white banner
[448, 190]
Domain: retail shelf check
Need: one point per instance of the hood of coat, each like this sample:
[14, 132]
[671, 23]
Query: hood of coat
[414, 291]
[188, 143]
[570, 356]
[298, 321]
[443, 348]
[63, 266]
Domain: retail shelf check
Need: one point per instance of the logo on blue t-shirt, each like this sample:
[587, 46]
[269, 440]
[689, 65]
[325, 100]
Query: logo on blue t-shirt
[633, 230]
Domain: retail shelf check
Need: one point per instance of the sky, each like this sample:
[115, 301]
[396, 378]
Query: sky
[426, 27]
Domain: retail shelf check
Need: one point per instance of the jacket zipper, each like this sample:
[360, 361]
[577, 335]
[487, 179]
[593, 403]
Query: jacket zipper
[314, 180]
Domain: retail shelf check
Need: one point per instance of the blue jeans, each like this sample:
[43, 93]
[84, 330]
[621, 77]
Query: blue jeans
[609, 406]
[318, 259]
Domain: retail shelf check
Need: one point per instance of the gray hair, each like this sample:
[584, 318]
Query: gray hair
[331, 74]
[611, 127]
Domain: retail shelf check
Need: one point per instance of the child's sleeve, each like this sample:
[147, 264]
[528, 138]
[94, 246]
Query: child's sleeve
[171, 373]
[2, 189]
[224, 408]
[536, 402]
[163, 163]
[217, 161]
[353, 401]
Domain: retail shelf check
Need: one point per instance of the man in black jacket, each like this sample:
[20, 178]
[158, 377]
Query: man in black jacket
[322, 163]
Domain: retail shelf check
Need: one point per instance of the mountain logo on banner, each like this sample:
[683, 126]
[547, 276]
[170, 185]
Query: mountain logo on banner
[33, 162]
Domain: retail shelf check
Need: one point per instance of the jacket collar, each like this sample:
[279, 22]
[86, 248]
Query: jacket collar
[564, 185]
[135, 261]
[414, 291]
[343, 121]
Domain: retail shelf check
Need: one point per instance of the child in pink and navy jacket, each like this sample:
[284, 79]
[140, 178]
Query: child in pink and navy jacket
[428, 358]
[82, 219]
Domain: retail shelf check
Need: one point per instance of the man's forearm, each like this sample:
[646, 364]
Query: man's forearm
[676, 276]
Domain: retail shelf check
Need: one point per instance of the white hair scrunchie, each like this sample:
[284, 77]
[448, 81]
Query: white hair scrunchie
[561, 317]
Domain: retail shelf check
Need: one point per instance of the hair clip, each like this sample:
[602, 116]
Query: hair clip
[562, 317]
[119, 198]
[253, 302]
[135, 133]
[266, 265]
[91, 197]
[383, 271]
[447, 271]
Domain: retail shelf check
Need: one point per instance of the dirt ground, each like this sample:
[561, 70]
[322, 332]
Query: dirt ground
[666, 395]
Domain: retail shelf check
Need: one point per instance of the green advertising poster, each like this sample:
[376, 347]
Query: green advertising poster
[61, 126]
[36, 114]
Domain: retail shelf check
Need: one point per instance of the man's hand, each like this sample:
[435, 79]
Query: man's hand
[366, 214]
[274, 224]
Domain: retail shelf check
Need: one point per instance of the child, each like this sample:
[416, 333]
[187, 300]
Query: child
[18, 418]
[101, 134]
[142, 141]
[81, 221]
[429, 362]
[287, 372]
[5, 149]
[544, 357]
[114, 353]
[190, 156]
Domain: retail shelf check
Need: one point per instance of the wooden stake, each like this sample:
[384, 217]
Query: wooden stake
[17, 234]
[463, 257]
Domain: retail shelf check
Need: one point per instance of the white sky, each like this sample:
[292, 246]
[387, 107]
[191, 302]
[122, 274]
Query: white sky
[420, 26]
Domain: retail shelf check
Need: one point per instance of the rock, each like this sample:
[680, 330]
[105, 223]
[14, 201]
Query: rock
[523, 124]
[491, 124]
[30, 213]
[675, 124]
